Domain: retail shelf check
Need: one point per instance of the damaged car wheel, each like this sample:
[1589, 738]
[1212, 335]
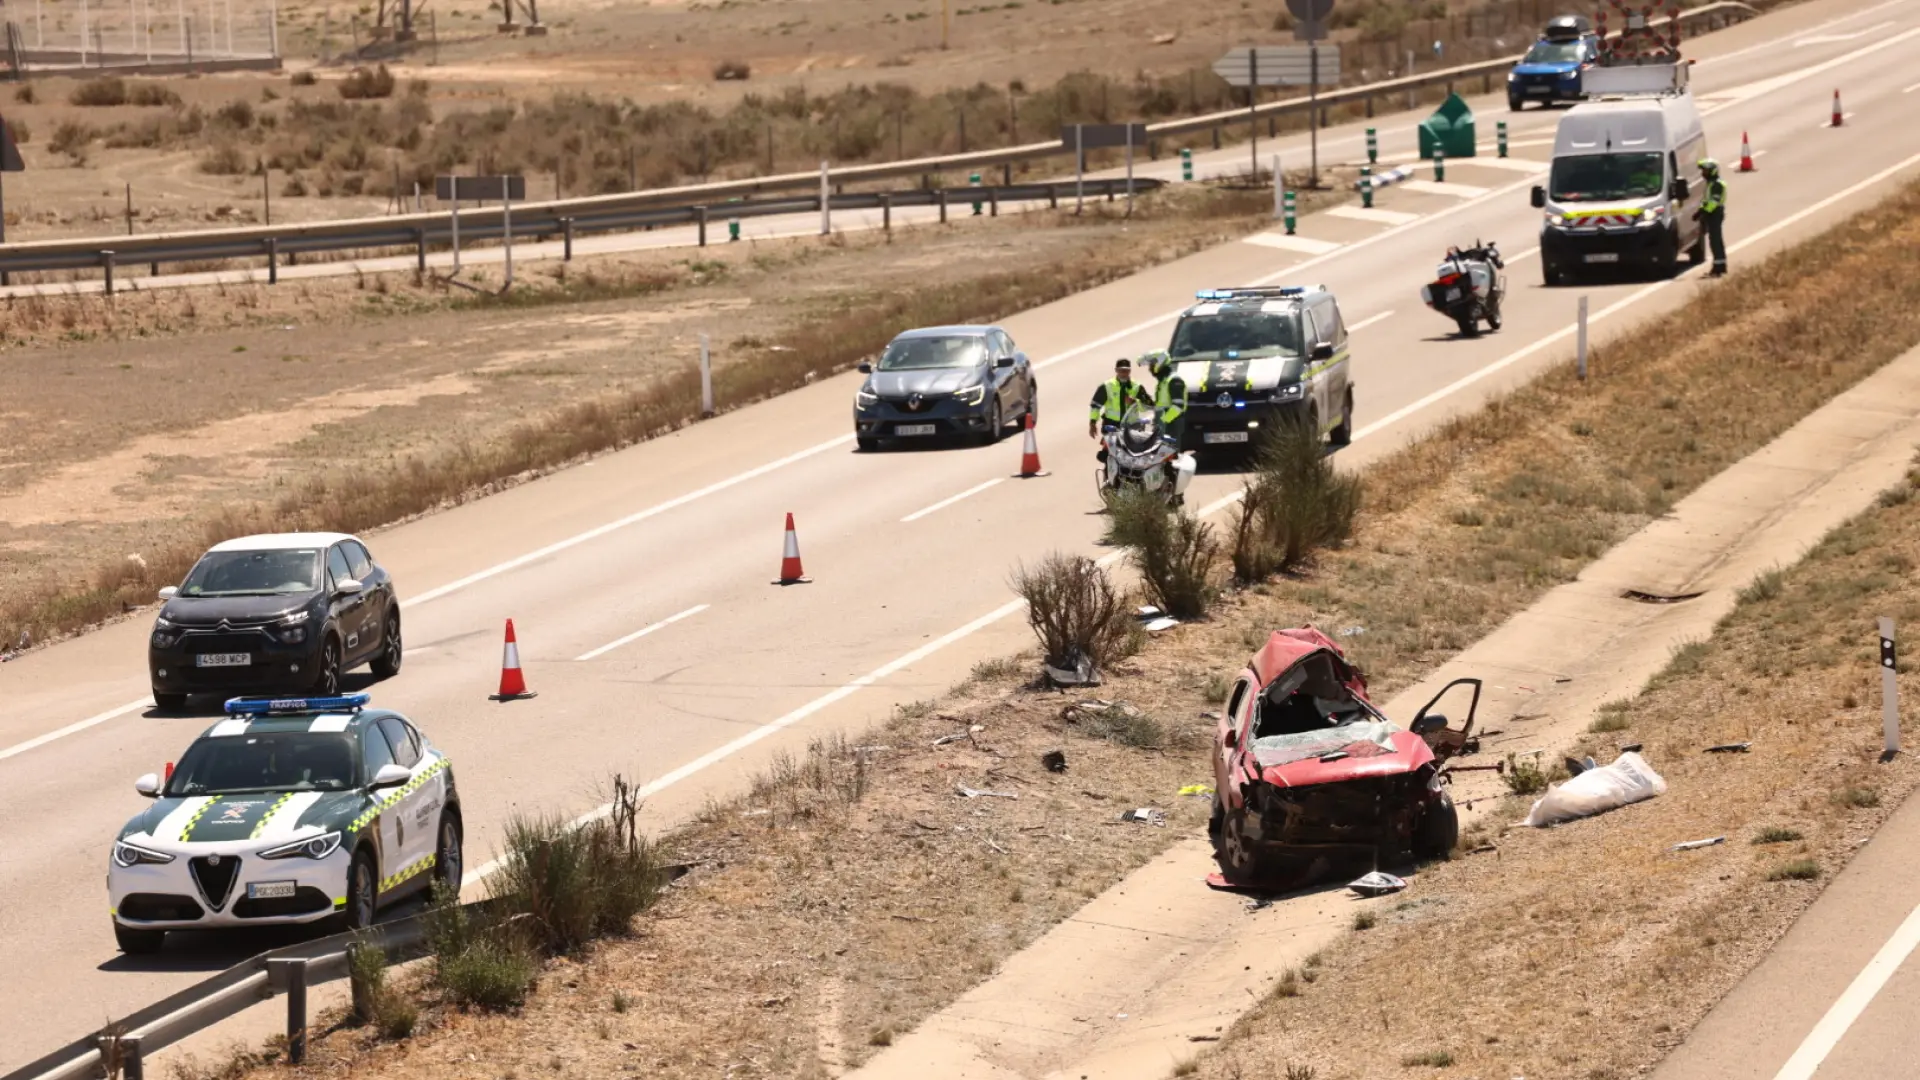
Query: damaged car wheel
[1234, 848]
[1439, 830]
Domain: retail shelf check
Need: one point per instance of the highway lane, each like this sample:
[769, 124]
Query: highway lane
[884, 588]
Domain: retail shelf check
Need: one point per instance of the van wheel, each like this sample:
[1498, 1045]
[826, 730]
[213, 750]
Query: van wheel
[1438, 831]
[1343, 433]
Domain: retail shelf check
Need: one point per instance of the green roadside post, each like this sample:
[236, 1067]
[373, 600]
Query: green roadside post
[733, 229]
[1186, 165]
[1439, 164]
[1373, 147]
[1501, 128]
[1289, 212]
[1366, 186]
[973, 180]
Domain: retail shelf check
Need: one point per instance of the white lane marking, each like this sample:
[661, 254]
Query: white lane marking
[643, 632]
[1284, 242]
[416, 650]
[631, 519]
[1911, 89]
[719, 754]
[944, 503]
[1368, 321]
[1529, 253]
[1774, 43]
[1512, 164]
[1832, 39]
[1852, 1001]
[1763, 87]
[1439, 187]
[1515, 357]
[110, 714]
[1372, 214]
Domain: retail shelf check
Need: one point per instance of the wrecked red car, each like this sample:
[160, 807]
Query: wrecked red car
[1308, 775]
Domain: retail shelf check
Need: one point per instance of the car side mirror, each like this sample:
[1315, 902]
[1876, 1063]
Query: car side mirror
[169, 592]
[1539, 197]
[1233, 738]
[1323, 351]
[348, 587]
[148, 785]
[390, 776]
[1004, 362]
[1681, 189]
[865, 368]
[1430, 723]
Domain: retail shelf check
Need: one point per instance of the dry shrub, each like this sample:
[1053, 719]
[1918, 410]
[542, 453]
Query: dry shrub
[731, 70]
[104, 92]
[1177, 557]
[362, 84]
[71, 137]
[1075, 610]
[1294, 504]
[579, 883]
[153, 95]
[304, 78]
[225, 159]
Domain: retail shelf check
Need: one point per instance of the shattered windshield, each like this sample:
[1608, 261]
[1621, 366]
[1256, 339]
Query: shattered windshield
[1299, 746]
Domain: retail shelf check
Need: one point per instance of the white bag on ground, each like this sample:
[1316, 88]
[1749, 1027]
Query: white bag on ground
[1628, 780]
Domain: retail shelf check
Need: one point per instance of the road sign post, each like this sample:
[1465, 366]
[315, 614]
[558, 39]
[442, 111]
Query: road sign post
[1085, 137]
[1252, 67]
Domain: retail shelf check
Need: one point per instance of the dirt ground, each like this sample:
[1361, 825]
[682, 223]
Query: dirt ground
[797, 948]
[110, 445]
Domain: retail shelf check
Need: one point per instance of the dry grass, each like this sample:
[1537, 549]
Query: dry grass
[828, 335]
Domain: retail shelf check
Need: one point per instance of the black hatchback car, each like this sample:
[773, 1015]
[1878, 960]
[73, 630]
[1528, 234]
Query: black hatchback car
[944, 380]
[285, 613]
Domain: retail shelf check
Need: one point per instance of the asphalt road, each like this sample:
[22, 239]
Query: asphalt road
[898, 609]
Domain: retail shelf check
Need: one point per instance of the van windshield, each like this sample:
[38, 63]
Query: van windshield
[1596, 177]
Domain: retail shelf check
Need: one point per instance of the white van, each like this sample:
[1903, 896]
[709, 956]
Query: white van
[1619, 191]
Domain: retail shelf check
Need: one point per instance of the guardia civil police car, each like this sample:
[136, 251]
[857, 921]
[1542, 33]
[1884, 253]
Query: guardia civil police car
[1252, 357]
[288, 811]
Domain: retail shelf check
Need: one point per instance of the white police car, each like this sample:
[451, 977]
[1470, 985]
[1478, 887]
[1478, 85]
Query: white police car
[288, 811]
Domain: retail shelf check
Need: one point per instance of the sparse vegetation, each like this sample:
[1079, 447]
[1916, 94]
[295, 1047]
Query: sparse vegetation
[1178, 560]
[1123, 724]
[376, 1003]
[1295, 504]
[1365, 919]
[1432, 1059]
[1857, 797]
[579, 883]
[1796, 870]
[362, 84]
[1524, 776]
[1774, 834]
[1076, 610]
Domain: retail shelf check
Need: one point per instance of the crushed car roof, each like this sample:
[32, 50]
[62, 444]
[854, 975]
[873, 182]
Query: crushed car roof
[1288, 647]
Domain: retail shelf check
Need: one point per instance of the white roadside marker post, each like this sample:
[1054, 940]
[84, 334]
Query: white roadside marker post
[1580, 348]
[1889, 690]
[826, 203]
[706, 376]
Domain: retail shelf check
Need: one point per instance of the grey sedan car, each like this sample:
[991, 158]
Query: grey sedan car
[945, 380]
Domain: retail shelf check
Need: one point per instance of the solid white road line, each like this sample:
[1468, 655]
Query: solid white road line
[30, 744]
[1911, 89]
[1283, 242]
[1372, 214]
[1834, 39]
[643, 632]
[944, 503]
[1852, 1001]
[1773, 44]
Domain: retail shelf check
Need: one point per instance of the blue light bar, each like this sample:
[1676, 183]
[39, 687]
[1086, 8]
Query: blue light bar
[242, 706]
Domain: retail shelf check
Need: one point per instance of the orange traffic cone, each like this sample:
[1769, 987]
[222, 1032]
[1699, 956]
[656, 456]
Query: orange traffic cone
[790, 572]
[1837, 116]
[513, 685]
[1746, 154]
[1030, 455]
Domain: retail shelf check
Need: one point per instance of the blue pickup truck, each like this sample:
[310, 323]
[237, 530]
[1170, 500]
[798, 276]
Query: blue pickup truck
[1551, 71]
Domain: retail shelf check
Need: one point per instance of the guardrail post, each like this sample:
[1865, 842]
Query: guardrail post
[1006, 174]
[291, 976]
[1369, 106]
[941, 197]
[566, 238]
[273, 260]
[1486, 82]
[1216, 136]
[1053, 196]
[106, 261]
[886, 212]
[420, 245]
[993, 202]
[700, 219]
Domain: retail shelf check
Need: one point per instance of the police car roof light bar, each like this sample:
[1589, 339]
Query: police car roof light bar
[242, 706]
[1250, 292]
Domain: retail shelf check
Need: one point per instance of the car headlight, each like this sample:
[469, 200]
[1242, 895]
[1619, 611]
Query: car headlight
[291, 629]
[164, 639]
[127, 855]
[1513, 76]
[1556, 220]
[972, 395]
[1569, 75]
[1288, 393]
[1652, 215]
[313, 847]
[865, 399]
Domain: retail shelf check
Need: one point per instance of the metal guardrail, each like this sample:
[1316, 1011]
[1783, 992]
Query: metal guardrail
[530, 221]
[680, 205]
[290, 970]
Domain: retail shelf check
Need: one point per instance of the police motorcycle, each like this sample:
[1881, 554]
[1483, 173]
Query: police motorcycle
[1140, 454]
[1468, 286]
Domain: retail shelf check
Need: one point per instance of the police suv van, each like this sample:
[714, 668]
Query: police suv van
[1252, 357]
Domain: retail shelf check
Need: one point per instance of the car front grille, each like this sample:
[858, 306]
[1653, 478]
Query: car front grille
[159, 907]
[215, 874]
[305, 901]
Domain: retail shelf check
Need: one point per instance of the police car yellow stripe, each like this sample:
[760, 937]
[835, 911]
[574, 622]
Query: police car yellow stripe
[372, 813]
[421, 866]
[261, 826]
[187, 830]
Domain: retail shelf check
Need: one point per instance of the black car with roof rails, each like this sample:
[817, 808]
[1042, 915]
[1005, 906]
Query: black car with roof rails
[283, 613]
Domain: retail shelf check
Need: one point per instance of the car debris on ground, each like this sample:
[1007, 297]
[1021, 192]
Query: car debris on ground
[1054, 761]
[1691, 845]
[1628, 780]
[972, 793]
[1147, 814]
[1377, 884]
[1730, 748]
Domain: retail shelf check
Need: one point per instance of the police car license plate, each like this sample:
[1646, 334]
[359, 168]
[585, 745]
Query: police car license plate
[1604, 257]
[914, 429]
[222, 659]
[1226, 436]
[270, 890]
